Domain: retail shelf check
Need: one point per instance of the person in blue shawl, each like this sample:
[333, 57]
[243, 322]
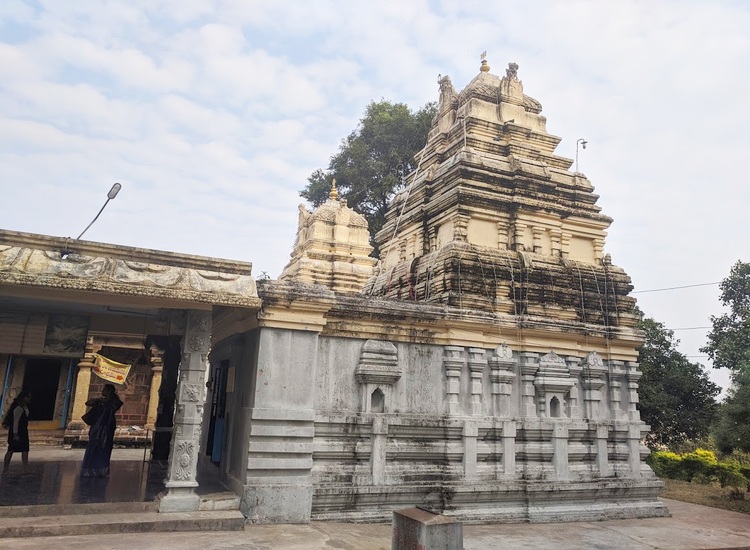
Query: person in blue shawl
[101, 417]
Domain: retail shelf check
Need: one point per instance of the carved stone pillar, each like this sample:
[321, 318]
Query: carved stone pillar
[602, 455]
[453, 362]
[477, 365]
[634, 374]
[83, 383]
[157, 362]
[501, 376]
[471, 431]
[529, 366]
[183, 456]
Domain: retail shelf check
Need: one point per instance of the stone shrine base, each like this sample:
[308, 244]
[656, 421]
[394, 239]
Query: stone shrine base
[499, 502]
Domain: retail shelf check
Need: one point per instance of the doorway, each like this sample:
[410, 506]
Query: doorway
[217, 420]
[41, 378]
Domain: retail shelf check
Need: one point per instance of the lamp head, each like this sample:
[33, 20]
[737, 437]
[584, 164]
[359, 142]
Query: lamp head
[113, 192]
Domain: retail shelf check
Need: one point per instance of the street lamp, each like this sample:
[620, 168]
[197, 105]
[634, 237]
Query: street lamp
[582, 142]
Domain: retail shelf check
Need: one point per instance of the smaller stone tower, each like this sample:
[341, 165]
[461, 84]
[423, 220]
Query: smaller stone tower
[332, 247]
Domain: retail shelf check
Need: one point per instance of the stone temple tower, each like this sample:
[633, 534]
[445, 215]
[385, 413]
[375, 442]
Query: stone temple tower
[486, 367]
[494, 220]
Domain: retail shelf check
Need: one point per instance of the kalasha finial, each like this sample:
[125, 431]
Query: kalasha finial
[485, 68]
[334, 193]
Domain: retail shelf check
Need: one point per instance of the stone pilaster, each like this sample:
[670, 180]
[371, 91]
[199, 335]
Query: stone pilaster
[529, 366]
[157, 366]
[634, 375]
[602, 455]
[183, 456]
[574, 366]
[634, 449]
[453, 362]
[83, 383]
[502, 375]
[560, 446]
[509, 448]
[378, 451]
[617, 373]
[470, 433]
[477, 365]
[593, 380]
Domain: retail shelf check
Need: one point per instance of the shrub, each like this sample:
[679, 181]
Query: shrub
[729, 474]
[698, 463]
[664, 463]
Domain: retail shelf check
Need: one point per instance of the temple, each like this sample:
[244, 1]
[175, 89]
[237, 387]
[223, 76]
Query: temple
[485, 367]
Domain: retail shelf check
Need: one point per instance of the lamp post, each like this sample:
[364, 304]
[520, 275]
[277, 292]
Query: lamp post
[582, 142]
[111, 195]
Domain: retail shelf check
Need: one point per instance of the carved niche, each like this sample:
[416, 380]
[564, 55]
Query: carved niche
[378, 370]
[553, 382]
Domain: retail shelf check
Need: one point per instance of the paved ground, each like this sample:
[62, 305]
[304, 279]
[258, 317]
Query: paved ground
[690, 527]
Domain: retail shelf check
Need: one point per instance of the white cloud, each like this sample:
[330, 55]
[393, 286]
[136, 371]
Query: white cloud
[213, 114]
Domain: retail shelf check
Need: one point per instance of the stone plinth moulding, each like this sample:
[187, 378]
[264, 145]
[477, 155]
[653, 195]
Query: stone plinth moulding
[502, 374]
[378, 370]
[453, 362]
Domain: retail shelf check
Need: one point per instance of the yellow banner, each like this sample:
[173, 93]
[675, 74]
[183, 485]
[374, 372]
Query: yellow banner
[111, 371]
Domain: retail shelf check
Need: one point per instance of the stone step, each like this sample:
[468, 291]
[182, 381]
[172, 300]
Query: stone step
[40, 510]
[224, 500]
[108, 523]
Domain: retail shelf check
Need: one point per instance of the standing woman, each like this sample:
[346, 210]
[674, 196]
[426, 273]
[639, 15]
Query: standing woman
[101, 433]
[17, 422]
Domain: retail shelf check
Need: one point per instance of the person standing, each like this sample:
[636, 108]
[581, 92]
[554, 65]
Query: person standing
[102, 433]
[17, 422]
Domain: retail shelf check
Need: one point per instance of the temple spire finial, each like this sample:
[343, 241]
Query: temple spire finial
[334, 193]
[485, 68]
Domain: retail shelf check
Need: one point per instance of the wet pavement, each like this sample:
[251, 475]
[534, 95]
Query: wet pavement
[52, 477]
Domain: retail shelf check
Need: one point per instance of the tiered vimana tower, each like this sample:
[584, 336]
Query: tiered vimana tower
[494, 220]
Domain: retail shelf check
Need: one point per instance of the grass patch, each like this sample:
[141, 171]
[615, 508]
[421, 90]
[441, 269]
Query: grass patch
[707, 495]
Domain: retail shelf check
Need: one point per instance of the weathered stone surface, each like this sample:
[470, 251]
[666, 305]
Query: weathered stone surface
[417, 529]
[42, 261]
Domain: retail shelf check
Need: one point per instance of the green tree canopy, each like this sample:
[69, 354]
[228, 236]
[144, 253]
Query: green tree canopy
[729, 340]
[374, 159]
[729, 347]
[676, 397]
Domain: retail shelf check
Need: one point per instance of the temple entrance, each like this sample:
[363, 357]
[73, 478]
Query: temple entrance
[217, 420]
[41, 378]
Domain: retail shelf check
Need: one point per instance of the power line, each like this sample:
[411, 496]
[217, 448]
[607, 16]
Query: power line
[674, 288]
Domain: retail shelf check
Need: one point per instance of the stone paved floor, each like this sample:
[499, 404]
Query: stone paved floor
[52, 479]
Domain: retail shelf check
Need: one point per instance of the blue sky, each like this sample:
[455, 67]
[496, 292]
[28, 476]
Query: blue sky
[213, 114]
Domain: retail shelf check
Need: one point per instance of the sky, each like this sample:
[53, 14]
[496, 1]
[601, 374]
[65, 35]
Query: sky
[212, 114]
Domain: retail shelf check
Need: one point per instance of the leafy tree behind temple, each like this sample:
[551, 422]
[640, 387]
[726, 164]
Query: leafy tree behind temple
[729, 347]
[374, 159]
[676, 397]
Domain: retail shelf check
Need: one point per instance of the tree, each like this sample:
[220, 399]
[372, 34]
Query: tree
[729, 347]
[374, 160]
[676, 397]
